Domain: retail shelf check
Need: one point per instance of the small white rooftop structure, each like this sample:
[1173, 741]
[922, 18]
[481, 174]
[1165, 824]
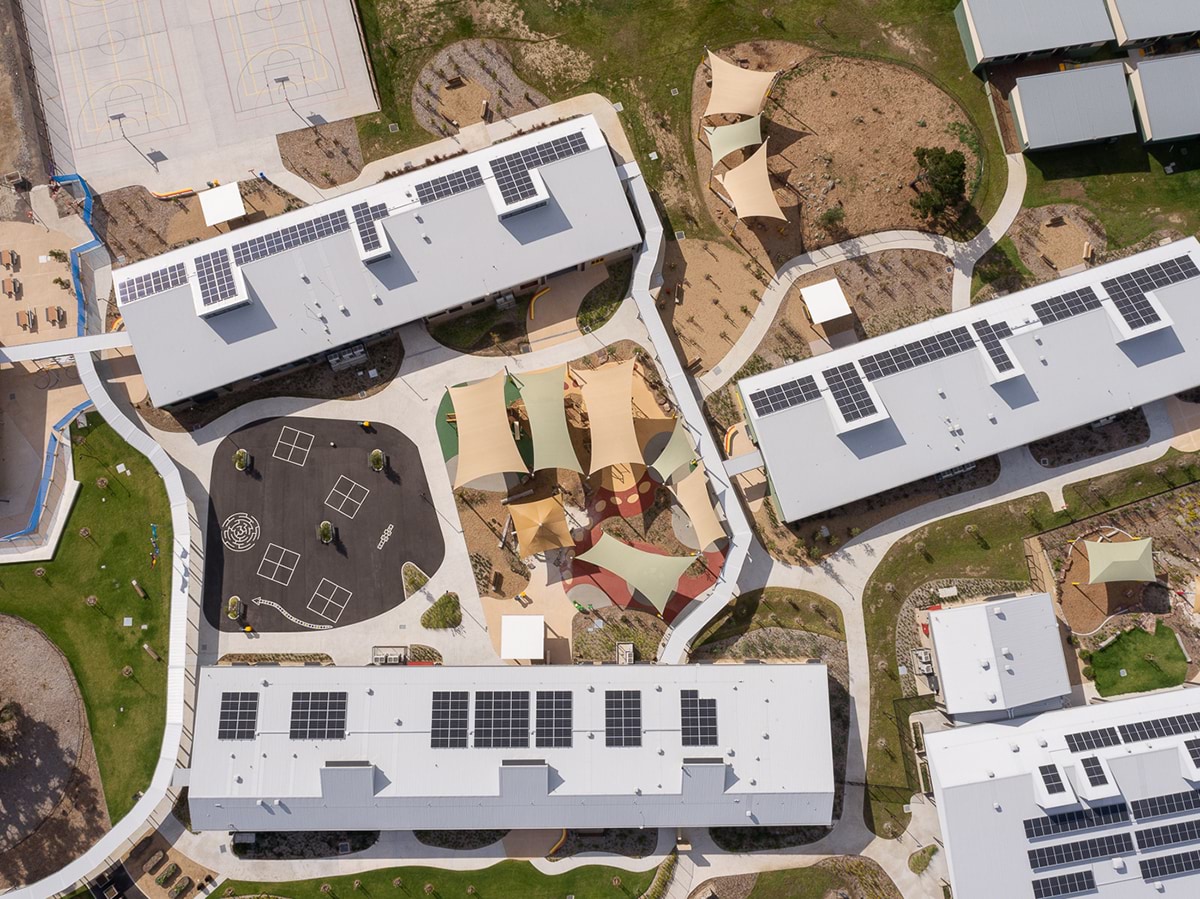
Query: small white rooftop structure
[522, 637]
[222, 204]
[1096, 800]
[998, 659]
[825, 302]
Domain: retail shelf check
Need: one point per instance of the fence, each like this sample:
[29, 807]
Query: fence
[86, 259]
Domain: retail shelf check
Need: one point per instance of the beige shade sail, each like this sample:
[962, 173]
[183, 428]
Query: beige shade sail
[1132, 560]
[724, 139]
[485, 440]
[545, 398]
[608, 395]
[749, 188]
[736, 91]
[691, 492]
[650, 574]
[541, 525]
[677, 453]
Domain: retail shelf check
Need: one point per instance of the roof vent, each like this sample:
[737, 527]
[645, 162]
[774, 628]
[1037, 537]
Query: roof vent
[985, 664]
[1042, 742]
[991, 774]
[991, 697]
[1004, 652]
[996, 806]
[1008, 668]
[1015, 747]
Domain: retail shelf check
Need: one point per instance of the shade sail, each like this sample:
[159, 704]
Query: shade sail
[522, 637]
[650, 574]
[541, 525]
[677, 453]
[608, 395]
[735, 90]
[221, 204]
[691, 492]
[749, 188]
[485, 440]
[544, 398]
[1132, 560]
[724, 139]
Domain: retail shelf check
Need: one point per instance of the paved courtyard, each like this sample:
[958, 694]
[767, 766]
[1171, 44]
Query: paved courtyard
[263, 543]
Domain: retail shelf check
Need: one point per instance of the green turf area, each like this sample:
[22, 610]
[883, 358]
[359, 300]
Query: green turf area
[1173, 469]
[775, 607]
[1123, 184]
[1001, 267]
[502, 881]
[643, 49]
[1150, 662]
[605, 298]
[126, 714]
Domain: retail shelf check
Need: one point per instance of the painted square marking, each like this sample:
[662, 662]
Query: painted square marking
[278, 564]
[329, 600]
[293, 446]
[347, 496]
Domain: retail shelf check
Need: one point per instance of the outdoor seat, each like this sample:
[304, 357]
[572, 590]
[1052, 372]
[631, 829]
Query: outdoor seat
[22, 319]
[52, 315]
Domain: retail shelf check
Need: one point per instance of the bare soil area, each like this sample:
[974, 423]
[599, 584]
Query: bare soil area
[20, 150]
[1128, 429]
[1051, 239]
[145, 863]
[51, 803]
[324, 155]
[591, 644]
[855, 877]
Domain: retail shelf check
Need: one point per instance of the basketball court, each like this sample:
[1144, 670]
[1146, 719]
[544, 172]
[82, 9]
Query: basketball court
[172, 93]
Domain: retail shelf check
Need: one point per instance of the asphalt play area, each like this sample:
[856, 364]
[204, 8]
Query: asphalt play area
[263, 540]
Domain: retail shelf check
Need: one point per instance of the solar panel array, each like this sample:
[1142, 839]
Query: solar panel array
[239, 716]
[291, 237]
[784, 396]
[1169, 835]
[1170, 865]
[1064, 885]
[1093, 739]
[1072, 822]
[449, 185]
[1080, 851]
[1068, 305]
[1052, 779]
[622, 718]
[501, 719]
[318, 716]
[365, 216]
[1094, 771]
[849, 392]
[1160, 727]
[990, 336]
[553, 721]
[1193, 748]
[512, 171]
[918, 352]
[1128, 292]
[1170, 804]
[449, 729]
[699, 718]
[153, 282]
[215, 277]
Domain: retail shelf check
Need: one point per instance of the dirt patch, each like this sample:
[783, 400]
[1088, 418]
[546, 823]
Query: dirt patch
[51, 803]
[153, 857]
[1051, 239]
[592, 644]
[1127, 429]
[852, 877]
[20, 149]
[630, 842]
[324, 155]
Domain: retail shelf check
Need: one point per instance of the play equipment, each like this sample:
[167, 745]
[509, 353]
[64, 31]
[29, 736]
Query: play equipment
[534, 300]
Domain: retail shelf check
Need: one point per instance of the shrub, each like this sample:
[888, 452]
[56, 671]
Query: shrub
[919, 860]
[182, 884]
[1088, 673]
[444, 613]
[166, 874]
[241, 459]
[943, 176]
[833, 216]
[376, 459]
[233, 608]
[325, 532]
[414, 578]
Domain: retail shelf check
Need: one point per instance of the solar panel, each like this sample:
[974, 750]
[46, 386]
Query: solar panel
[1064, 885]
[1094, 771]
[215, 277]
[622, 718]
[699, 719]
[1193, 748]
[153, 282]
[1052, 779]
[512, 171]
[1071, 822]
[1170, 804]
[849, 392]
[1066, 306]
[449, 185]
[365, 216]
[784, 396]
[239, 716]
[1169, 834]
[291, 237]
[1093, 739]
[918, 352]
[448, 729]
[1128, 292]
[501, 719]
[553, 722]
[990, 336]
[1170, 865]
[318, 716]
[1160, 727]
[1080, 851]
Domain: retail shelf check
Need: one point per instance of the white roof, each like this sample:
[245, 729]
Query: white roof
[922, 419]
[771, 763]
[999, 655]
[825, 301]
[988, 784]
[522, 636]
[220, 204]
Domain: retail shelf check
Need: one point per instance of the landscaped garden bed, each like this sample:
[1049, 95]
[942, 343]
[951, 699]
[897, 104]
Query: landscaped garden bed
[305, 844]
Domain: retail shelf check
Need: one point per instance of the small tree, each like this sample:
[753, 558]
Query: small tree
[91, 601]
[429, 889]
[376, 459]
[326, 888]
[616, 882]
[127, 671]
[241, 459]
[325, 532]
[833, 217]
[102, 483]
[58, 255]
[944, 177]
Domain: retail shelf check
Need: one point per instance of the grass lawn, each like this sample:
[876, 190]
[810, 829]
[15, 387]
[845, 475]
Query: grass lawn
[798, 610]
[126, 714]
[605, 298]
[1172, 469]
[844, 875]
[1001, 266]
[1150, 661]
[501, 881]
[1123, 184]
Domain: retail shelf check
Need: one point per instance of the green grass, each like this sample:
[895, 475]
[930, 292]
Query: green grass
[842, 875]
[775, 607]
[126, 714]
[443, 614]
[1151, 662]
[919, 860]
[1001, 266]
[1125, 186]
[1172, 469]
[605, 298]
[502, 881]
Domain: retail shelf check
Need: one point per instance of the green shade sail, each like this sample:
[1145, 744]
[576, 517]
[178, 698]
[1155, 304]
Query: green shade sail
[544, 398]
[652, 575]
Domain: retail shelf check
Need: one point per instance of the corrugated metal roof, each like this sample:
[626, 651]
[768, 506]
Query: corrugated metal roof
[1170, 88]
[1148, 19]
[1075, 106]
[1011, 27]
